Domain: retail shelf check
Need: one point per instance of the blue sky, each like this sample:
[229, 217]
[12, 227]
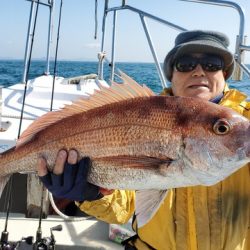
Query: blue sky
[77, 28]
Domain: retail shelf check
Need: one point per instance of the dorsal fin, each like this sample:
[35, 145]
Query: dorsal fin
[106, 95]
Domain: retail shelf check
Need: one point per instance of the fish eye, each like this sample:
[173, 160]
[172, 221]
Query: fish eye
[221, 127]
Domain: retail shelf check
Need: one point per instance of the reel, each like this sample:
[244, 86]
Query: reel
[26, 243]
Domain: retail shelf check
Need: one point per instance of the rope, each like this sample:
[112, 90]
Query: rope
[18, 117]
[64, 216]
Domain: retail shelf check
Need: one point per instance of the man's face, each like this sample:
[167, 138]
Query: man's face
[198, 81]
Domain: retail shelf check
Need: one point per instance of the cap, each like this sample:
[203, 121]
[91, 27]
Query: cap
[200, 41]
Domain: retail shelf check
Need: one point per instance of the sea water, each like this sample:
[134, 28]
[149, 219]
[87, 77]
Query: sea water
[11, 72]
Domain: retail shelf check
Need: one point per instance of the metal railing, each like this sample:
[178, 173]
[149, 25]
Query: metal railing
[142, 15]
[240, 45]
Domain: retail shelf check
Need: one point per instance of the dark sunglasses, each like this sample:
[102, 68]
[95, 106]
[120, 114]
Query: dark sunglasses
[210, 63]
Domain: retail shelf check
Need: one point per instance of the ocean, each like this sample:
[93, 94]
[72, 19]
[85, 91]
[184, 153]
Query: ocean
[11, 72]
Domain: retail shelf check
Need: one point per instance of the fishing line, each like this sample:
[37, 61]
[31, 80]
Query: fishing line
[55, 63]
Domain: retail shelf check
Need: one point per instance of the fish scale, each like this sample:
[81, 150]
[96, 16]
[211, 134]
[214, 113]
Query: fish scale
[140, 141]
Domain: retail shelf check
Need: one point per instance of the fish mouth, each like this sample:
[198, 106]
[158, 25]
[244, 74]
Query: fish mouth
[246, 144]
[243, 153]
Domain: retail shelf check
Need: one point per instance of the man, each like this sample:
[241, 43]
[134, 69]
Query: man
[215, 217]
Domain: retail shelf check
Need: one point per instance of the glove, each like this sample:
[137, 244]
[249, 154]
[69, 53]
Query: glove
[72, 183]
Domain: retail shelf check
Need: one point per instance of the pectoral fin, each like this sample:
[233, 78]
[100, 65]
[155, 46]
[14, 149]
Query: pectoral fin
[134, 161]
[147, 204]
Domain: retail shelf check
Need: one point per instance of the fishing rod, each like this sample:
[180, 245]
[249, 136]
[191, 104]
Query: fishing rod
[41, 243]
[55, 63]
[46, 243]
[4, 244]
[28, 68]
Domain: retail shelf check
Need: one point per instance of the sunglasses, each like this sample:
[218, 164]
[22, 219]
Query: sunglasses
[209, 63]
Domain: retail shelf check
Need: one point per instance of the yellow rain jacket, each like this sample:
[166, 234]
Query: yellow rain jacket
[215, 217]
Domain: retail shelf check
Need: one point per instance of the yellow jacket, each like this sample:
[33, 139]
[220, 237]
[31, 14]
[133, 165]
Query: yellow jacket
[215, 217]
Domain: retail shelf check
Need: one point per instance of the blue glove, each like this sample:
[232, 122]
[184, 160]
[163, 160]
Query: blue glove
[72, 183]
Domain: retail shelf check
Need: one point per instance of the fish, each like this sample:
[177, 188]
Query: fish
[138, 140]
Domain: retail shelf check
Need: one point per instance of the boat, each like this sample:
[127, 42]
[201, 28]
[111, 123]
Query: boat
[24, 102]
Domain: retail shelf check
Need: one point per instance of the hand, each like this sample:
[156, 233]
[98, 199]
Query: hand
[69, 177]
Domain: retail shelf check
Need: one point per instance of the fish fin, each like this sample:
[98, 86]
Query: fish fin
[3, 182]
[147, 203]
[135, 161]
[106, 95]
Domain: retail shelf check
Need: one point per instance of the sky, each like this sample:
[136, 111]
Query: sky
[78, 26]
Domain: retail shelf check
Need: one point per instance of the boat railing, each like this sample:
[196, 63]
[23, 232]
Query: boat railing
[142, 15]
[240, 47]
